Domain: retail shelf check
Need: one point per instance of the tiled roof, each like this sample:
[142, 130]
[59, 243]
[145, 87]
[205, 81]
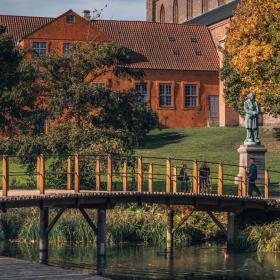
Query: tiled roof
[154, 45]
[164, 45]
[219, 14]
[20, 26]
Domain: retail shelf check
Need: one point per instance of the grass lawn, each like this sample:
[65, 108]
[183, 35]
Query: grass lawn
[211, 144]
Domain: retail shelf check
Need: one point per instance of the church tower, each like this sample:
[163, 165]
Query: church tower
[179, 11]
[151, 10]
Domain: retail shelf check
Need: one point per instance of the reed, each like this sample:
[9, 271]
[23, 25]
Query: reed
[124, 224]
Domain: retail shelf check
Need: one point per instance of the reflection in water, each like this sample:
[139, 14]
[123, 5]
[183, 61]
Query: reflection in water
[208, 261]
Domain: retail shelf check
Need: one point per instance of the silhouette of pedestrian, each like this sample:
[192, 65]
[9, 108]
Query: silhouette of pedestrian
[252, 177]
[204, 174]
[183, 177]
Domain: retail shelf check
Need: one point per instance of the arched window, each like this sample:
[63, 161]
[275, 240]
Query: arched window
[162, 14]
[189, 9]
[204, 7]
[175, 12]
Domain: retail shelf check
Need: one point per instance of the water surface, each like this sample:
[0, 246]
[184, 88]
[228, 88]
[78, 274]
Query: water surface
[138, 261]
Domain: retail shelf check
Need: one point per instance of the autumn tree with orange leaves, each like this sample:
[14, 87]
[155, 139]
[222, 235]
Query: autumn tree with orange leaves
[252, 55]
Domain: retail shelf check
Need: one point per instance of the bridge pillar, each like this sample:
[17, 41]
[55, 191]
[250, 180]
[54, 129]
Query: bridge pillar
[169, 233]
[232, 231]
[101, 234]
[43, 234]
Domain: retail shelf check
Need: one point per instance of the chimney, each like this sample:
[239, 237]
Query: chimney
[86, 14]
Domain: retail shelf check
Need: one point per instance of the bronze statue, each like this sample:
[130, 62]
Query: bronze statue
[252, 112]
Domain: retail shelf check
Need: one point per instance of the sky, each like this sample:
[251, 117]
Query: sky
[116, 9]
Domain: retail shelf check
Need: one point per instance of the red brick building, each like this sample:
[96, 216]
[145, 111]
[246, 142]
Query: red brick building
[180, 62]
[178, 11]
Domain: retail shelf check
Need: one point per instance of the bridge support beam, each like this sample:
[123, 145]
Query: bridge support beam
[170, 233]
[43, 234]
[232, 231]
[101, 232]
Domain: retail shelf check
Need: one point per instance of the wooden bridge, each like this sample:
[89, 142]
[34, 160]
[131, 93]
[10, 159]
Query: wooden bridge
[102, 182]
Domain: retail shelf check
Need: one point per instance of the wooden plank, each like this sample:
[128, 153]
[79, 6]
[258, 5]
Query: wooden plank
[69, 174]
[168, 175]
[41, 186]
[76, 173]
[5, 176]
[55, 219]
[217, 222]
[220, 179]
[150, 177]
[18, 269]
[174, 179]
[109, 173]
[97, 175]
[38, 172]
[139, 174]
[89, 221]
[244, 183]
[124, 177]
[195, 177]
[184, 220]
[266, 184]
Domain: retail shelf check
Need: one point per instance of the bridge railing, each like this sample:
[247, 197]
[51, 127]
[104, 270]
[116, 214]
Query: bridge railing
[134, 173]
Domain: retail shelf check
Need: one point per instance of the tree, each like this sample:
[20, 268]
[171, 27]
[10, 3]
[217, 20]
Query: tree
[252, 55]
[67, 79]
[85, 118]
[9, 62]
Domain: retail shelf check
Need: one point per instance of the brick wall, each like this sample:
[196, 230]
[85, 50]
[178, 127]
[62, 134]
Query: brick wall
[168, 6]
[177, 116]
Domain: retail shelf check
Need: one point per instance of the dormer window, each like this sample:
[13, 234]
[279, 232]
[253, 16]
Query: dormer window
[70, 19]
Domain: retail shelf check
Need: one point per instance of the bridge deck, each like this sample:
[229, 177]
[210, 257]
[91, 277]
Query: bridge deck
[19, 269]
[93, 199]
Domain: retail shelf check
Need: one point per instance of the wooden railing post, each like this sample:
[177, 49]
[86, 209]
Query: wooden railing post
[168, 175]
[97, 175]
[174, 179]
[244, 182]
[109, 173]
[240, 185]
[220, 179]
[69, 174]
[42, 175]
[124, 177]
[195, 177]
[5, 176]
[266, 184]
[38, 172]
[139, 174]
[77, 174]
[150, 177]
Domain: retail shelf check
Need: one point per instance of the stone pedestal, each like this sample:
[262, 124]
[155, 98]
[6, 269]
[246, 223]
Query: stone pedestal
[258, 153]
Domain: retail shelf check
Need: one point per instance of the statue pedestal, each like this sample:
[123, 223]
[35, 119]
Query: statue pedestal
[253, 151]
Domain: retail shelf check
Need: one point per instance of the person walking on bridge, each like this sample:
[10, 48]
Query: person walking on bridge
[183, 177]
[204, 174]
[252, 177]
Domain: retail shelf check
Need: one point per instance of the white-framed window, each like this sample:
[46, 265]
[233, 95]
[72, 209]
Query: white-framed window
[142, 88]
[165, 95]
[191, 95]
[39, 49]
[99, 85]
[67, 48]
[70, 19]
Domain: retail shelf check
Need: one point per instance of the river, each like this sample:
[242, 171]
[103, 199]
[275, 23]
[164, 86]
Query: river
[138, 261]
